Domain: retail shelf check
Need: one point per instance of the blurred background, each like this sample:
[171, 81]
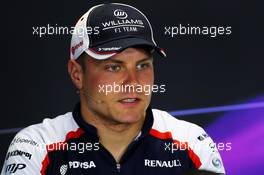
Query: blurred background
[215, 82]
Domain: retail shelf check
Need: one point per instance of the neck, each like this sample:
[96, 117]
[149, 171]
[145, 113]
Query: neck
[115, 137]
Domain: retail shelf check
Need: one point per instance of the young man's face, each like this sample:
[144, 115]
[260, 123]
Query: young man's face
[133, 67]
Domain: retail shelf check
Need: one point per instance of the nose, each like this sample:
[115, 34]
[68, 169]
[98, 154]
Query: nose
[131, 77]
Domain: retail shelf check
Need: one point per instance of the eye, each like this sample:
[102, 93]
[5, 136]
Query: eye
[142, 66]
[113, 67]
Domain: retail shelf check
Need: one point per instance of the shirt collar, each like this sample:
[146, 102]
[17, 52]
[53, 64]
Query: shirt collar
[90, 129]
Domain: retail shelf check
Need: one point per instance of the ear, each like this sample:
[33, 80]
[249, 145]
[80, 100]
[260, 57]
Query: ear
[76, 73]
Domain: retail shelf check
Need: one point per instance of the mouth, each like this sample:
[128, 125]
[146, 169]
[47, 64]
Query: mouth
[129, 101]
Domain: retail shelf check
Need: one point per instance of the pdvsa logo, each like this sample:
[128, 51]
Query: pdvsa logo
[83, 165]
[63, 169]
[76, 165]
[121, 14]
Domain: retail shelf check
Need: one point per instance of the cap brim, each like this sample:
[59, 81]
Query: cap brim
[109, 49]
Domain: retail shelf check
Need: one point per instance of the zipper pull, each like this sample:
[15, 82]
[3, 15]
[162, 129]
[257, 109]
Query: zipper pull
[118, 167]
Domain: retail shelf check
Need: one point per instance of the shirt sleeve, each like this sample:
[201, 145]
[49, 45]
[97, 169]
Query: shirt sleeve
[206, 150]
[25, 155]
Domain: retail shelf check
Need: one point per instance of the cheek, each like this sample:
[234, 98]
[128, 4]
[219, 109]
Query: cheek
[147, 77]
[92, 82]
[98, 85]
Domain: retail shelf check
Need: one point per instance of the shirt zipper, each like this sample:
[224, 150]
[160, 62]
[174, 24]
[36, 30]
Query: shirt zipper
[118, 167]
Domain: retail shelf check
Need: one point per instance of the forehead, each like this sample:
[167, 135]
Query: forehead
[129, 55]
[132, 53]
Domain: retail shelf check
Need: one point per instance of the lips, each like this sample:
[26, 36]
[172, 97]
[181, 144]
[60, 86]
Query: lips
[129, 100]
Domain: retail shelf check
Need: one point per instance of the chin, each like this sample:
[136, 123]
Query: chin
[130, 117]
[128, 114]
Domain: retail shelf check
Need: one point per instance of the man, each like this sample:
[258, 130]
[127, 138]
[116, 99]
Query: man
[112, 130]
